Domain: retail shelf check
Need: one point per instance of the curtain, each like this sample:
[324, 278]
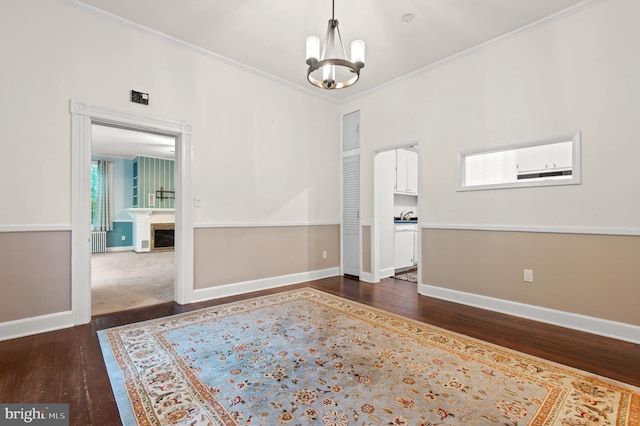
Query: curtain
[103, 216]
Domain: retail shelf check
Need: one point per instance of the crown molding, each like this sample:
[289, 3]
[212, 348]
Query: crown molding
[77, 4]
[127, 23]
[578, 7]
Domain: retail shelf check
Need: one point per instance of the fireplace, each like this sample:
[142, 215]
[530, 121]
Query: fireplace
[162, 236]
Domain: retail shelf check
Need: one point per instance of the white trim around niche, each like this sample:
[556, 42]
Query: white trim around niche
[83, 115]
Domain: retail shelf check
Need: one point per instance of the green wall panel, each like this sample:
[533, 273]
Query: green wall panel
[153, 175]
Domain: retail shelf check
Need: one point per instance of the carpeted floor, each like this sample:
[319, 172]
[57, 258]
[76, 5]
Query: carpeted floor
[308, 357]
[126, 279]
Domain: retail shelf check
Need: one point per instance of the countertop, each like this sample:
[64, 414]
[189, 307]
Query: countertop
[412, 220]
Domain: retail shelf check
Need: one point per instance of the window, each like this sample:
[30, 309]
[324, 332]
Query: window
[553, 161]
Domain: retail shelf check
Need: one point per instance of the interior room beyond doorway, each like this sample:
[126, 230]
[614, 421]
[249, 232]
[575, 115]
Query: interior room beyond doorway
[396, 213]
[132, 219]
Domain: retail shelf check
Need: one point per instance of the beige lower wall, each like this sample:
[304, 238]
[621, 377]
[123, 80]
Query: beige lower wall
[35, 274]
[593, 275]
[366, 249]
[237, 254]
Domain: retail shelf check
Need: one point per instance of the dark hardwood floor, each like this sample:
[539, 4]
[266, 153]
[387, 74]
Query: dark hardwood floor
[66, 366]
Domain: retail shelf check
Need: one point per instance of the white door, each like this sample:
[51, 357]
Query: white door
[351, 215]
[351, 131]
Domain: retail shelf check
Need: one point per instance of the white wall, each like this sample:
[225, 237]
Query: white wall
[576, 73]
[262, 151]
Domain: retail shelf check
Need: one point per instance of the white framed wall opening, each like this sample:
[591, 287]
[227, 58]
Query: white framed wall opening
[83, 116]
[544, 162]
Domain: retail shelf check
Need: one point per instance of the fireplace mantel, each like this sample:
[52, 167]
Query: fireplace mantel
[142, 220]
[136, 210]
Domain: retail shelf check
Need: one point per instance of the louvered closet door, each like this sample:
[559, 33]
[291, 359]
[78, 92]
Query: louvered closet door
[351, 215]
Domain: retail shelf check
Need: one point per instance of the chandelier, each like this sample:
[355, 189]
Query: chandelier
[328, 71]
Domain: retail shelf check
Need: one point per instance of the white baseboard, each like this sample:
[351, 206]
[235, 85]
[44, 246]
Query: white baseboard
[367, 277]
[260, 284]
[35, 325]
[121, 248]
[386, 273]
[602, 327]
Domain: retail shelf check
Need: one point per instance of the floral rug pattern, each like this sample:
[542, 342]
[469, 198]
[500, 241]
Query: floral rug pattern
[410, 275]
[305, 357]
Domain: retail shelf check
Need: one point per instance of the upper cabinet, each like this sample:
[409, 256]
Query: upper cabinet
[544, 157]
[351, 131]
[406, 172]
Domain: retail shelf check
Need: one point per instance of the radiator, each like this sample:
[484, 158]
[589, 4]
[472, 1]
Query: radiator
[99, 242]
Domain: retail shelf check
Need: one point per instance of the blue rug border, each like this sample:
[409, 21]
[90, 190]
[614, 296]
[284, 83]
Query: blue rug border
[117, 381]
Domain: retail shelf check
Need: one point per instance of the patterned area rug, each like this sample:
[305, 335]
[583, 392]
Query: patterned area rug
[305, 357]
[410, 275]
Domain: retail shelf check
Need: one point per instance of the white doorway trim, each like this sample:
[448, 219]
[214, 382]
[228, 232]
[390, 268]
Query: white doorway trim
[376, 216]
[83, 115]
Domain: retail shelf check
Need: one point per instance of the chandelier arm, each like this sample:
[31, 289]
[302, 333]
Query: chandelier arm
[326, 42]
[344, 52]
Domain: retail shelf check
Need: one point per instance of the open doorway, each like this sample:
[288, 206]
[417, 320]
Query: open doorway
[132, 218]
[83, 115]
[396, 242]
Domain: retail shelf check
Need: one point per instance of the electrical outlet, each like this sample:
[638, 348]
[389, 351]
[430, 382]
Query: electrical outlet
[324, 254]
[528, 275]
[197, 202]
[124, 237]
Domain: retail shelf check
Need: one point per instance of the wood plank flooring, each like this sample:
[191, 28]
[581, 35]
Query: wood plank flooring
[66, 366]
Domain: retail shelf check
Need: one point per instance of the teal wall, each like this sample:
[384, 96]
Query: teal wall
[122, 200]
[120, 229]
[152, 174]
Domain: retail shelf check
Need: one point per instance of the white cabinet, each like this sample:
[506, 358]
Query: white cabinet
[351, 131]
[406, 171]
[405, 246]
[544, 157]
[561, 155]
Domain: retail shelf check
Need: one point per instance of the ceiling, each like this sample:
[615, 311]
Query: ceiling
[269, 35]
[109, 141]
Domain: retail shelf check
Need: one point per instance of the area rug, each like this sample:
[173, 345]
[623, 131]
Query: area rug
[306, 357]
[410, 275]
